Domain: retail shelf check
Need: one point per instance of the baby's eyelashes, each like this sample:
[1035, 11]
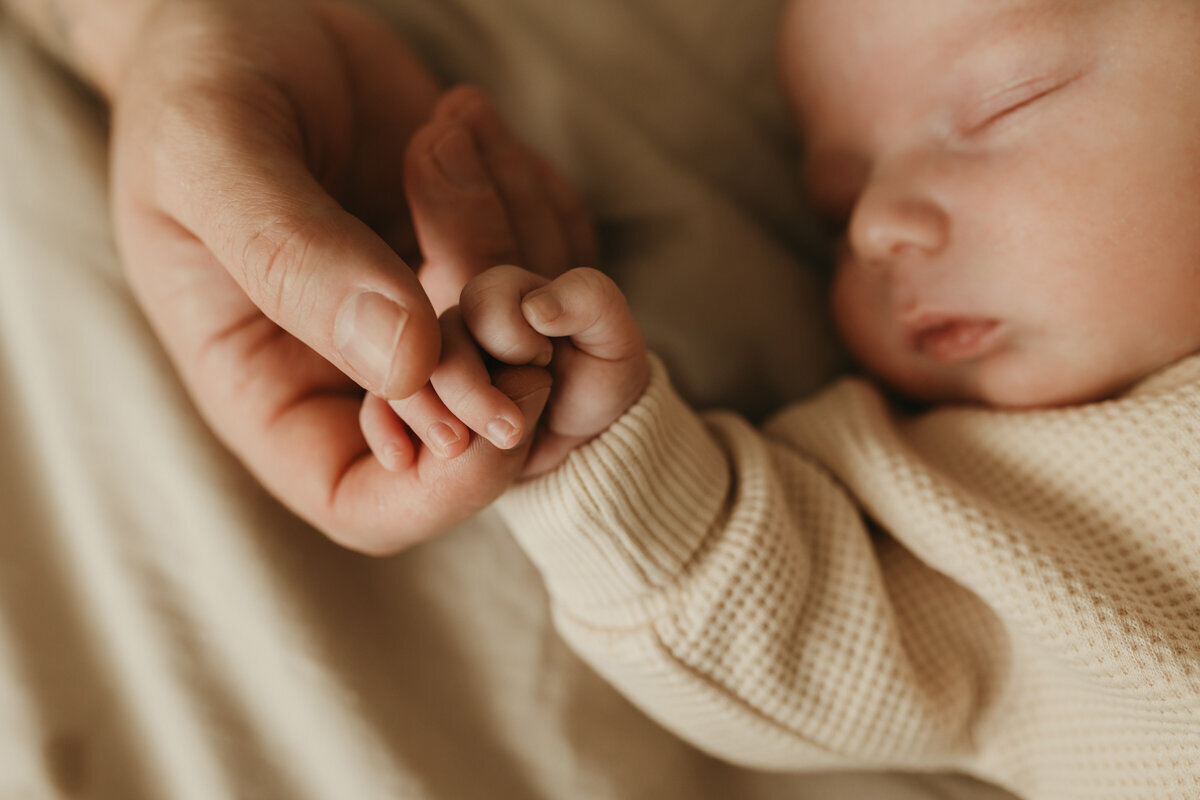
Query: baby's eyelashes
[988, 116]
[1014, 98]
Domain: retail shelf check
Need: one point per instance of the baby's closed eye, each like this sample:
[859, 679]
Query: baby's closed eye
[1009, 100]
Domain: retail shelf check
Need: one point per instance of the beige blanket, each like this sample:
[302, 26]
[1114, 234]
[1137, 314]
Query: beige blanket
[168, 631]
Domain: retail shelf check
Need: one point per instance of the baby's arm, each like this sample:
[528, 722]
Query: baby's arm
[968, 590]
[730, 586]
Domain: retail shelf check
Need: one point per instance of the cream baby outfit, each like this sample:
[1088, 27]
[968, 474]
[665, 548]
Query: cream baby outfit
[1011, 594]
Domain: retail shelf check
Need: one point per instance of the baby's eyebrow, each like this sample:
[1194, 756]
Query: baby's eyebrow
[1026, 50]
[1026, 29]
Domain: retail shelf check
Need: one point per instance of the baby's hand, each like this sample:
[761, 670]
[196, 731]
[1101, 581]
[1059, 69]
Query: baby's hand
[479, 196]
[581, 324]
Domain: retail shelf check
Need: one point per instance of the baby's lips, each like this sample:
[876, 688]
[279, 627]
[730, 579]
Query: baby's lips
[952, 339]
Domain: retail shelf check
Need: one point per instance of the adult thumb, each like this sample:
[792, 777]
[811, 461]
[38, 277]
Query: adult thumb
[310, 266]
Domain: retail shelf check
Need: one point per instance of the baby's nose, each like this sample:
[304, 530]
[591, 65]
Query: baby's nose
[886, 227]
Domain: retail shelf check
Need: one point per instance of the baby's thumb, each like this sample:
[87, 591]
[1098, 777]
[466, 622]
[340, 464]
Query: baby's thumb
[585, 306]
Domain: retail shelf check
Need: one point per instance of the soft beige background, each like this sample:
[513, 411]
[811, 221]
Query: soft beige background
[168, 631]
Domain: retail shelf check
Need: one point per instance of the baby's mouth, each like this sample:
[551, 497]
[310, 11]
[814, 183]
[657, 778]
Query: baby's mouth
[950, 339]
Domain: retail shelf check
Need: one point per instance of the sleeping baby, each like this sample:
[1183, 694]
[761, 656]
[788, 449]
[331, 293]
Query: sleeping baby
[983, 556]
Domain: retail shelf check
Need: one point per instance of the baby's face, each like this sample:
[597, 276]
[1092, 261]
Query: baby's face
[1017, 183]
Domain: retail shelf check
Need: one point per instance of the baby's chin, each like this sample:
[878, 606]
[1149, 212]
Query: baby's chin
[1010, 378]
[1013, 389]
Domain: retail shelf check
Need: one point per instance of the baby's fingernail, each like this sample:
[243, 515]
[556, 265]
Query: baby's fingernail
[442, 436]
[459, 161]
[366, 332]
[502, 433]
[541, 308]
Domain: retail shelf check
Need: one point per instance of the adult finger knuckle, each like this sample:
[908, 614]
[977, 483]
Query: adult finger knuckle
[272, 261]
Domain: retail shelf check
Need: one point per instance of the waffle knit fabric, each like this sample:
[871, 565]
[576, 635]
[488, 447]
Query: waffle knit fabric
[1011, 594]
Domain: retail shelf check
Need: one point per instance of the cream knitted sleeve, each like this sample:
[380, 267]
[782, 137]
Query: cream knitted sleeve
[853, 588]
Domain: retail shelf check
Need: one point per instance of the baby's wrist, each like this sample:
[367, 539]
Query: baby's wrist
[659, 461]
[566, 430]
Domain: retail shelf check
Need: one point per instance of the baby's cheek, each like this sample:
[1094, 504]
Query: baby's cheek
[861, 312]
[1026, 379]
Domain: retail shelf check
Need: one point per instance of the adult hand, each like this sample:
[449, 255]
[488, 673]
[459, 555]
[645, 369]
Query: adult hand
[466, 436]
[258, 159]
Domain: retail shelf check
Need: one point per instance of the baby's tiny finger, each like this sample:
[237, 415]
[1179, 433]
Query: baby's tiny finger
[428, 418]
[491, 308]
[386, 434]
[464, 385]
[586, 306]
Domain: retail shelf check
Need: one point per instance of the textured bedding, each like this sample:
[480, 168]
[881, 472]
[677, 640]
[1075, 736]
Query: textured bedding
[167, 630]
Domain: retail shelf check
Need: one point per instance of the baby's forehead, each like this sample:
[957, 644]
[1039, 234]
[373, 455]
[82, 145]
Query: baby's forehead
[825, 25]
[827, 46]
